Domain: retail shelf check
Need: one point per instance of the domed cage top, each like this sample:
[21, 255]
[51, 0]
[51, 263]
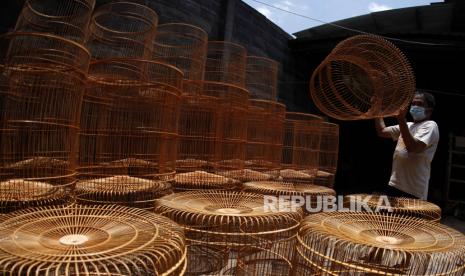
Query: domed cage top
[233, 232]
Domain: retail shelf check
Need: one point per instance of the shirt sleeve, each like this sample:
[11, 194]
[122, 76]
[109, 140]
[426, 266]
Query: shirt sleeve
[428, 133]
[394, 131]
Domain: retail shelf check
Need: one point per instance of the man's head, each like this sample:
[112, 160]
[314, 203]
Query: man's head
[422, 106]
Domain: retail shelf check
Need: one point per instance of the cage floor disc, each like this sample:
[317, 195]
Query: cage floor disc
[399, 205]
[381, 244]
[83, 240]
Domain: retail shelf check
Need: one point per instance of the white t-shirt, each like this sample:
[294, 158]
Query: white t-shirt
[411, 171]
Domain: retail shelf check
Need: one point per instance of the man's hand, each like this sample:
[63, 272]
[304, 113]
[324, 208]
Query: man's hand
[402, 114]
[411, 143]
[381, 128]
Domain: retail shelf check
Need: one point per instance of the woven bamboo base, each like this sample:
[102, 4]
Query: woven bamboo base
[17, 194]
[121, 190]
[341, 243]
[90, 240]
[398, 205]
[234, 231]
[200, 180]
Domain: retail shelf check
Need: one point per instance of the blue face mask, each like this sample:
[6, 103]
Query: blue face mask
[417, 112]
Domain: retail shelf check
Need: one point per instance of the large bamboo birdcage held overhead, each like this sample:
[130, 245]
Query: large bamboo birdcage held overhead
[262, 78]
[233, 233]
[363, 77]
[398, 205]
[43, 81]
[122, 29]
[90, 240]
[66, 18]
[344, 243]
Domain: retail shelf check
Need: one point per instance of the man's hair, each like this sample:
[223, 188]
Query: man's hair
[429, 98]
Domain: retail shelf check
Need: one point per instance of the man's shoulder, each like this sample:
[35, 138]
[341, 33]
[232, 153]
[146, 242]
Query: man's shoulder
[428, 130]
[427, 124]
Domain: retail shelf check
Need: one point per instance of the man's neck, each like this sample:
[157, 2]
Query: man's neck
[420, 121]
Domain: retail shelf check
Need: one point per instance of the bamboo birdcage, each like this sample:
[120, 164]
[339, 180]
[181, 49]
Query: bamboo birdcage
[265, 118]
[312, 195]
[139, 137]
[346, 243]
[233, 105]
[43, 80]
[262, 78]
[226, 63]
[328, 154]
[91, 240]
[199, 130]
[66, 18]
[363, 77]
[397, 205]
[265, 131]
[246, 175]
[122, 190]
[232, 232]
[122, 30]
[301, 145]
[183, 46]
[324, 178]
[201, 180]
[17, 194]
[277, 133]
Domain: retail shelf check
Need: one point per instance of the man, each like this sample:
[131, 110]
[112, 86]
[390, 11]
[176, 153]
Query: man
[416, 145]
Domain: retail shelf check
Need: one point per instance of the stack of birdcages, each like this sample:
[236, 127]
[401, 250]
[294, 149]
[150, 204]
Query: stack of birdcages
[128, 107]
[108, 108]
[43, 78]
[130, 111]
